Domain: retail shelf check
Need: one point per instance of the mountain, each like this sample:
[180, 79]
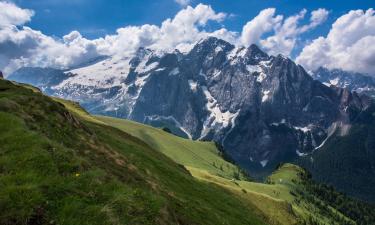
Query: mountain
[60, 165]
[43, 78]
[348, 161]
[357, 82]
[262, 109]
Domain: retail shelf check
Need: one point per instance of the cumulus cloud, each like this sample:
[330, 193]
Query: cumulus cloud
[261, 24]
[182, 30]
[317, 17]
[349, 45]
[27, 47]
[23, 46]
[10, 14]
[182, 3]
[287, 31]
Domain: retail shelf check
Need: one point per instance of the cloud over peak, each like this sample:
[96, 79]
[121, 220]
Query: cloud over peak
[285, 32]
[27, 47]
[23, 46]
[349, 45]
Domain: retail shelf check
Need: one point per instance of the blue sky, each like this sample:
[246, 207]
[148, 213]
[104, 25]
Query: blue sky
[336, 34]
[95, 18]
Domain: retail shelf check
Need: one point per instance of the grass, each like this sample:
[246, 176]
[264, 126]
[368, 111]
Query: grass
[59, 166]
[262, 196]
[195, 154]
[279, 200]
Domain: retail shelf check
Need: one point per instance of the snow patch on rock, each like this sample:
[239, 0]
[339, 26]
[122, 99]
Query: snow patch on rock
[263, 162]
[193, 85]
[300, 154]
[334, 81]
[266, 95]
[103, 74]
[174, 72]
[216, 116]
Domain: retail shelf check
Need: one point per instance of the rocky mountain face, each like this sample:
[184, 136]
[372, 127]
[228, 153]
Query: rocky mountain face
[263, 109]
[360, 83]
[347, 162]
[43, 78]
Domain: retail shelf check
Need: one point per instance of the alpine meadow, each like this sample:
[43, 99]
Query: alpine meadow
[187, 112]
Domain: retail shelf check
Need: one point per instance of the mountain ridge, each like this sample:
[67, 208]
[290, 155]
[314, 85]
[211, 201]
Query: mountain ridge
[262, 109]
[358, 82]
[283, 83]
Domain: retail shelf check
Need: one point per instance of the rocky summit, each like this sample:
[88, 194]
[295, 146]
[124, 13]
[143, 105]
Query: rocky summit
[262, 109]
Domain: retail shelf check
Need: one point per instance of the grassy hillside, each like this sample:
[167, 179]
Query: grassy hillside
[59, 166]
[195, 154]
[285, 199]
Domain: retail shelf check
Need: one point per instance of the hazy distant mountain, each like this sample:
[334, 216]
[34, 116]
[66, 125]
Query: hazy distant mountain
[358, 82]
[43, 78]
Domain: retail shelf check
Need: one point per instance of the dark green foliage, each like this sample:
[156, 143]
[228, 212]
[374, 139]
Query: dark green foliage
[361, 212]
[166, 129]
[236, 174]
[223, 153]
[325, 196]
[347, 162]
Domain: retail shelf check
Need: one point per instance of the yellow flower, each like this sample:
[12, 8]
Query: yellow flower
[77, 174]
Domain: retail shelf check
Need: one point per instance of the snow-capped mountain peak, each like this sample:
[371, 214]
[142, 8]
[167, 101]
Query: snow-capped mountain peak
[241, 97]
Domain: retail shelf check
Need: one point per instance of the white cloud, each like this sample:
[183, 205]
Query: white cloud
[182, 3]
[27, 47]
[183, 29]
[318, 17]
[23, 46]
[282, 33]
[10, 14]
[264, 22]
[349, 45]
[288, 31]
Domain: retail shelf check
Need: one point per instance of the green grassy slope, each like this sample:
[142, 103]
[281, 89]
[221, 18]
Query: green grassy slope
[60, 167]
[283, 200]
[195, 154]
